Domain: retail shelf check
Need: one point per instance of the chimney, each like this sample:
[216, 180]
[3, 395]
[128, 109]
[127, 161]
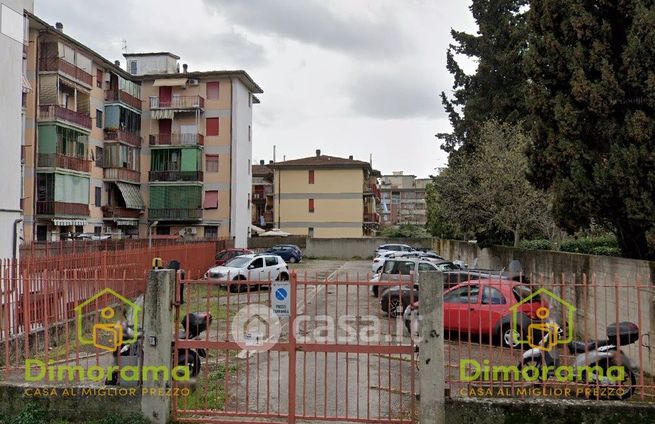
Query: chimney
[59, 26]
[270, 162]
[318, 152]
[261, 162]
[117, 63]
[350, 157]
[185, 68]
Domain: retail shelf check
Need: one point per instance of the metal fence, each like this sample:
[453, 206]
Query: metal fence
[564, 349]
[42, 296]
[335, 357]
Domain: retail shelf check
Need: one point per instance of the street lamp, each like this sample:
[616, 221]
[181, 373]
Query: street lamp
[153, 225]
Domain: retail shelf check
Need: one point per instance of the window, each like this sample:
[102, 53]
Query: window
[271, 261]
[310, 231]
[98, 197]
[212, 126]
[79, 229]
[97, 231]
[99, 76]
[98, 118]
[311, 176]
[211, 199]
[249, 133]
[257, 263]
[211, 232]
[249, 100]
[99, 157]
[492, 296]
[163, 231]
[248, 200]
[426, 267]
[133, 68]
[311, 205]
[211, 163]
[212, 90]
[468, 294]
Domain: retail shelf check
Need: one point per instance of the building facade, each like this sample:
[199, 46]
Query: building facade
[262, 196]
[125, 154]
[13, 90]
[403, 199]
[325, 196]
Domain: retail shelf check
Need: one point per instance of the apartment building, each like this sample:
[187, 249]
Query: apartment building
[13, 88]
[198, 127]
[403, 199]
[123, 153]
[325, 196]
[262, 195]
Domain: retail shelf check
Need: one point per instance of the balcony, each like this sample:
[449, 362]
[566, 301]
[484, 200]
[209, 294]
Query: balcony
[178, 103]
[59, 65]
[262, 192]
[124, 136]
[61, 208]
[371, 189]
[118, 212]
[177, 139]
[122, 174]
[123, 97]
[175, 175]
[175, 214]
[371, 218]
[56, 160]
[49, 113]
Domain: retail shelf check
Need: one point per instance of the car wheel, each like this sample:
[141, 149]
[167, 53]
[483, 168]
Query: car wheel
[375, 291]
[534, 362]
[509, 337]
[293, 260]
[394, 307]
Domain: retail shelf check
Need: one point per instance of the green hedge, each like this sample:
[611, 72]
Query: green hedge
[605, 245]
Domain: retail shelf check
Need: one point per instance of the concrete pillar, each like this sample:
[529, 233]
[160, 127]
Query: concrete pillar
[432, 383]
[157, 341]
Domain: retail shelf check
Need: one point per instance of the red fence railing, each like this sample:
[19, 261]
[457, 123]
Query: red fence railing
[55, 112]
[122, 96]
[177, 139]
[42, 296]
[61, 208]
[122, 174]
[56, 160]
[125, 136]
[178, 102]
[56, 64]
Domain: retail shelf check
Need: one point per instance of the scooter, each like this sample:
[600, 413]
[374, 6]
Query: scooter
[129, 353]
[592, 362]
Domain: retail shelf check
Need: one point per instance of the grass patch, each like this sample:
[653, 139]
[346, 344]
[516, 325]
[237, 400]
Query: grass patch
[210, 391]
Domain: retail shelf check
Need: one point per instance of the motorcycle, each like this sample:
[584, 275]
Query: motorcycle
[193, 325]
[594, 360]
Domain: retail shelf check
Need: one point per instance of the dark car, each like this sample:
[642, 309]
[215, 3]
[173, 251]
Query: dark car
[227, 254]
[289, 253]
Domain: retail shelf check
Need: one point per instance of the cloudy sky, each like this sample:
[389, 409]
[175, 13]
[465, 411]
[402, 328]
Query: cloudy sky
[349, 77]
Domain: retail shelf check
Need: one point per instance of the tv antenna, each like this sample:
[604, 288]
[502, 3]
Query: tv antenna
[124, 46]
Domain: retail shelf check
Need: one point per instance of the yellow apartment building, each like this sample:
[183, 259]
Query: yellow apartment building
[325, 196]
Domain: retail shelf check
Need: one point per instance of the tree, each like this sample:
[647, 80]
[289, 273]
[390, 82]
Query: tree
[488, 191]
[591, 67]
[497, 89]
[437, 223]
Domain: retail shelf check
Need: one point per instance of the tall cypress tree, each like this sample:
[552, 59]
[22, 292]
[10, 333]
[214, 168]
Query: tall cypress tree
[591, 67]
[497, 89]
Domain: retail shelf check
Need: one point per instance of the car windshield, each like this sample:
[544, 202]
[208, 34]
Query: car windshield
[238, 262]
[222, 255]
[398, 267]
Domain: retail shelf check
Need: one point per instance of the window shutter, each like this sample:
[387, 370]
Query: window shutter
[211, 199]
[212, 126]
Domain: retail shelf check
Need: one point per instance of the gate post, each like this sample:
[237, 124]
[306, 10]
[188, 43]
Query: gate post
[432, 381]
[292, 348]
[157, 343]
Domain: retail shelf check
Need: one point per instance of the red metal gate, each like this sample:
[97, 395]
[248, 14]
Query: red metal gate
[338, 357]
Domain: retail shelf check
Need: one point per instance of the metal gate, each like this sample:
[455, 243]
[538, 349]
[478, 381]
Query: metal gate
[336, 357]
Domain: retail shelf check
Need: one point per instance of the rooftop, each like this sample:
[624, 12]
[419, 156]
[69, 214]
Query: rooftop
[174, 56]
[322, 161]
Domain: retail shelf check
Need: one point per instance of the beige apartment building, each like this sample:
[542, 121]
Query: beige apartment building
[120, 153]
[403, 199]
[325, 196]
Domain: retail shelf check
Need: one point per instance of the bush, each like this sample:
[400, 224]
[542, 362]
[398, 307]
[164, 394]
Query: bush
[540, 244]
[600, 245]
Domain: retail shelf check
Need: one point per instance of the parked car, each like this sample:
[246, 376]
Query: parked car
[483, 308]
[288, 252]
[378, 261]
[393, 247]
[227, 254]
[262, 267]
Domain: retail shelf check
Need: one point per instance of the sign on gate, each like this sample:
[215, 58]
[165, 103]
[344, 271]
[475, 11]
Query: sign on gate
[281, 298]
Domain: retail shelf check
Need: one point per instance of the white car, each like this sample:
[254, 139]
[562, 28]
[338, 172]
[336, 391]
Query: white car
[378, 261]
[393, 247]
[255, 267]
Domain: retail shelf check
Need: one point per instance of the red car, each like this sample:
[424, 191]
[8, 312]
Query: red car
[227, 254]
[484, 308]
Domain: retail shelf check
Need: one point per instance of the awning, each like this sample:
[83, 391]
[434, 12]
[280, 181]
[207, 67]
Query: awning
[170, 82]
[131, 195]
[68, 222]
[162, 114]
[27, 87]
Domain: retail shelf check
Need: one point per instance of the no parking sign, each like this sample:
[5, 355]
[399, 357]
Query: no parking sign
[281, 298]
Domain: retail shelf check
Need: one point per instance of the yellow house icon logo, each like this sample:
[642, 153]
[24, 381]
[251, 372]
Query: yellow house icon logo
[537, 331]
[107, 335]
